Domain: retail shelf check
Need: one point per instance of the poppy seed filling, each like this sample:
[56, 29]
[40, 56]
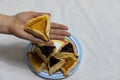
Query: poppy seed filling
[53, 61]
[46, 50]
[67, 48]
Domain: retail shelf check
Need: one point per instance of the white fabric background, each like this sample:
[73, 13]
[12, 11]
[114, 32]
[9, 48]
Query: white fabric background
[95, 23]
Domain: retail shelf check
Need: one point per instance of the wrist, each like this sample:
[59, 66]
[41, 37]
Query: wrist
[5, 23]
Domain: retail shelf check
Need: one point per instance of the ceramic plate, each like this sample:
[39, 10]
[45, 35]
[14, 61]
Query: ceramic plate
[59, 74]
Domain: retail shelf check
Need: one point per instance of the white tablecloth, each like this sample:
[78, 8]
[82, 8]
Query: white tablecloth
[95, 23]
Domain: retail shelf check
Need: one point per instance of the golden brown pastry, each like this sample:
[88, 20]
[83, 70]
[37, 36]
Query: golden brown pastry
[39, 27]
[71, 62]
[63, 55]
[36, 62]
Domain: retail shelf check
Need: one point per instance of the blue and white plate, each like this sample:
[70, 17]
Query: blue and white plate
[59, 74]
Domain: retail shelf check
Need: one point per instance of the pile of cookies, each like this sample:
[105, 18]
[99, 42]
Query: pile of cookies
[64, 60]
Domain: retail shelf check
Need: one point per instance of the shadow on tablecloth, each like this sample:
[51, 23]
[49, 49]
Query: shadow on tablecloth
[14, 54]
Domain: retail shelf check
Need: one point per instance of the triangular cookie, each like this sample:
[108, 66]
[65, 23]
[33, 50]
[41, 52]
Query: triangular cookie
[70, 64]
[39, 27]
[55, 64]
[36, 62]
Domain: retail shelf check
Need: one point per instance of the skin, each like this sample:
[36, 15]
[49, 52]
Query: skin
[15, 24]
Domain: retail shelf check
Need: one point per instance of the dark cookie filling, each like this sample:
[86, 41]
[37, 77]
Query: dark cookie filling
[67, 48]
[46, 50]
[53, 61]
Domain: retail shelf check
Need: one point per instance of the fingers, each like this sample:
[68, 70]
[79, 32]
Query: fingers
[59, 32]
[58, 26]
[56, 37]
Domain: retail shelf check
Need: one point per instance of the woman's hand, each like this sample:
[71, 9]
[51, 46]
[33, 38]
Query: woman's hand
[17, 23]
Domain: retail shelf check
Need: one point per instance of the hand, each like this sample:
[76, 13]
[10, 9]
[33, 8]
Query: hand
[16, 27]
